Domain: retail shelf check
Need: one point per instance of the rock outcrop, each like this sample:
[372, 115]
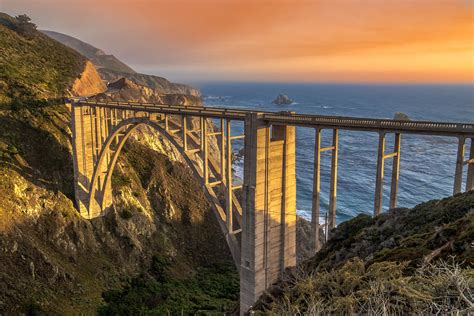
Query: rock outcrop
[112, 69]
[89, 83]
[126, 90]
[156, 83]
[400, 116]
[282, 99]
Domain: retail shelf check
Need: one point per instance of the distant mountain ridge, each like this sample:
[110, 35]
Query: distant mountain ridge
[36, 69]
[98, 57]
[112, 69]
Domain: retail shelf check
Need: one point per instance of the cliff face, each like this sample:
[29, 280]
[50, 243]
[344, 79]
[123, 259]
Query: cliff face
[89, 83]
[126, 90]
[52, 260]
[156, 83]
[64, 262]
[111, 70]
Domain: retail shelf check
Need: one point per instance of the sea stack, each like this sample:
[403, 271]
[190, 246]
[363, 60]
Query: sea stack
[282, 99]
[400, 116]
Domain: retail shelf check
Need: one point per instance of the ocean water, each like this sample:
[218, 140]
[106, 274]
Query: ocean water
[427, 164]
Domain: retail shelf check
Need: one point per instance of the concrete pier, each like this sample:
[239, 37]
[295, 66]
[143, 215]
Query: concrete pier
[269, 214]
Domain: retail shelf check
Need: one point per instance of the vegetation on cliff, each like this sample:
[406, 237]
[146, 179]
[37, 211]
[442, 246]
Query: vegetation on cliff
[97, 56]
[111, 69]
[214, 288]
[406, 261]
[34, 69]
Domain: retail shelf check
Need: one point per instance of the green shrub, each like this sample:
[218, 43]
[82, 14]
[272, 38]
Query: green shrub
[126, 214]
[119, 180]
[211, 290]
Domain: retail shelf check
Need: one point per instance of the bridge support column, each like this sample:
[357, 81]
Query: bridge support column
[222, 148]
[333, 187]
[395, 171]
[315, 209]
[228, 181]
[204, 152]
[459, 166]
[381, 156]
[380, 175]
[331, 214]
[184, 130]
[269, 213]
[89, 130]
[470, 168]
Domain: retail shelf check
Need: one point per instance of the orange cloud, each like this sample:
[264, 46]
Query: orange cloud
[323, 40]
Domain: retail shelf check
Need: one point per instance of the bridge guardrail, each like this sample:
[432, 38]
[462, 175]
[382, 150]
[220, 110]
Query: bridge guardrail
[309, 120]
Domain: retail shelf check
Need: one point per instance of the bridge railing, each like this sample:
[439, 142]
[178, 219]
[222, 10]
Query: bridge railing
[309, 120]
[371, 124]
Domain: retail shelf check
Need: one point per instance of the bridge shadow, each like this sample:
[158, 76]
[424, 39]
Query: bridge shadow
[176, 198]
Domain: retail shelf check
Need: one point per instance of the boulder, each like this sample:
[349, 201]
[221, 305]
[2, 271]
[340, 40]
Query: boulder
[400, 116]
[282, 99]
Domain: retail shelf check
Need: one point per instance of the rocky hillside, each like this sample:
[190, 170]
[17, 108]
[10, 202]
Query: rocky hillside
[35, 68]
[52, 260]
[407, 261]
[126, 90]
[98, 57]
[159, 84]
[111, 70]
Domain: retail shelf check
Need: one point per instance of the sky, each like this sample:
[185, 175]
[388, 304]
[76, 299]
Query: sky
[382, 41]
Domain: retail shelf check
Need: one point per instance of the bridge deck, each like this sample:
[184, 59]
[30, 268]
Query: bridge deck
[305, 120]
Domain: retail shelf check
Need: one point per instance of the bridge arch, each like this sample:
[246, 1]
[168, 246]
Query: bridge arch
[100, 197]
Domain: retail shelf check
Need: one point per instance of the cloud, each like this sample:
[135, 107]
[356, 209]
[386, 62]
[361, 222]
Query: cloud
[250, 39]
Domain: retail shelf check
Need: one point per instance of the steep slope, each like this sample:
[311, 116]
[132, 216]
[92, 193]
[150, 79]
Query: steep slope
[97, 56]
[35, 68]
[51, 259]
[156, 83]
[407, 261]
[111, 69]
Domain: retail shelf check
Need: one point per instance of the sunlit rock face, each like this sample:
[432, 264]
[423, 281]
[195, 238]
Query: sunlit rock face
[89, 82]
[124, 89]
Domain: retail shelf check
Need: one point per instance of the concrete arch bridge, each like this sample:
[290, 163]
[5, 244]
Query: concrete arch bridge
[260, 228]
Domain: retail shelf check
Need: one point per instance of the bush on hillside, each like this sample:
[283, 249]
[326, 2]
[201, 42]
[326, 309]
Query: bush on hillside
[380, 289]
[24, 26]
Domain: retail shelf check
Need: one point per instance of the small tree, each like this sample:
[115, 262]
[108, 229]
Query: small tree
[24, 26]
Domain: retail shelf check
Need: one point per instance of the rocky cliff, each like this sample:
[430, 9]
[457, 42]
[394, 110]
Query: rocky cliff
[156, 83]
[65, 262]
[126, 90]
[112, 70]
[51, 259]
[89, 82]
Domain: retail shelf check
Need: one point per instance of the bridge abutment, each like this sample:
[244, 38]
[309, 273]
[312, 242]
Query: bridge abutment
[269, 213]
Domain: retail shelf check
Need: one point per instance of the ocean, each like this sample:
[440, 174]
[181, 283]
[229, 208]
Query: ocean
[427, 164]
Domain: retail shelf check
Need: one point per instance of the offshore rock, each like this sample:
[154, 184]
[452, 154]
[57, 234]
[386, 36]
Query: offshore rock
[400, 116]
[282, 99]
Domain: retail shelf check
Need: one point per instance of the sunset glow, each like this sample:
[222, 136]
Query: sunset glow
[326, 40]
